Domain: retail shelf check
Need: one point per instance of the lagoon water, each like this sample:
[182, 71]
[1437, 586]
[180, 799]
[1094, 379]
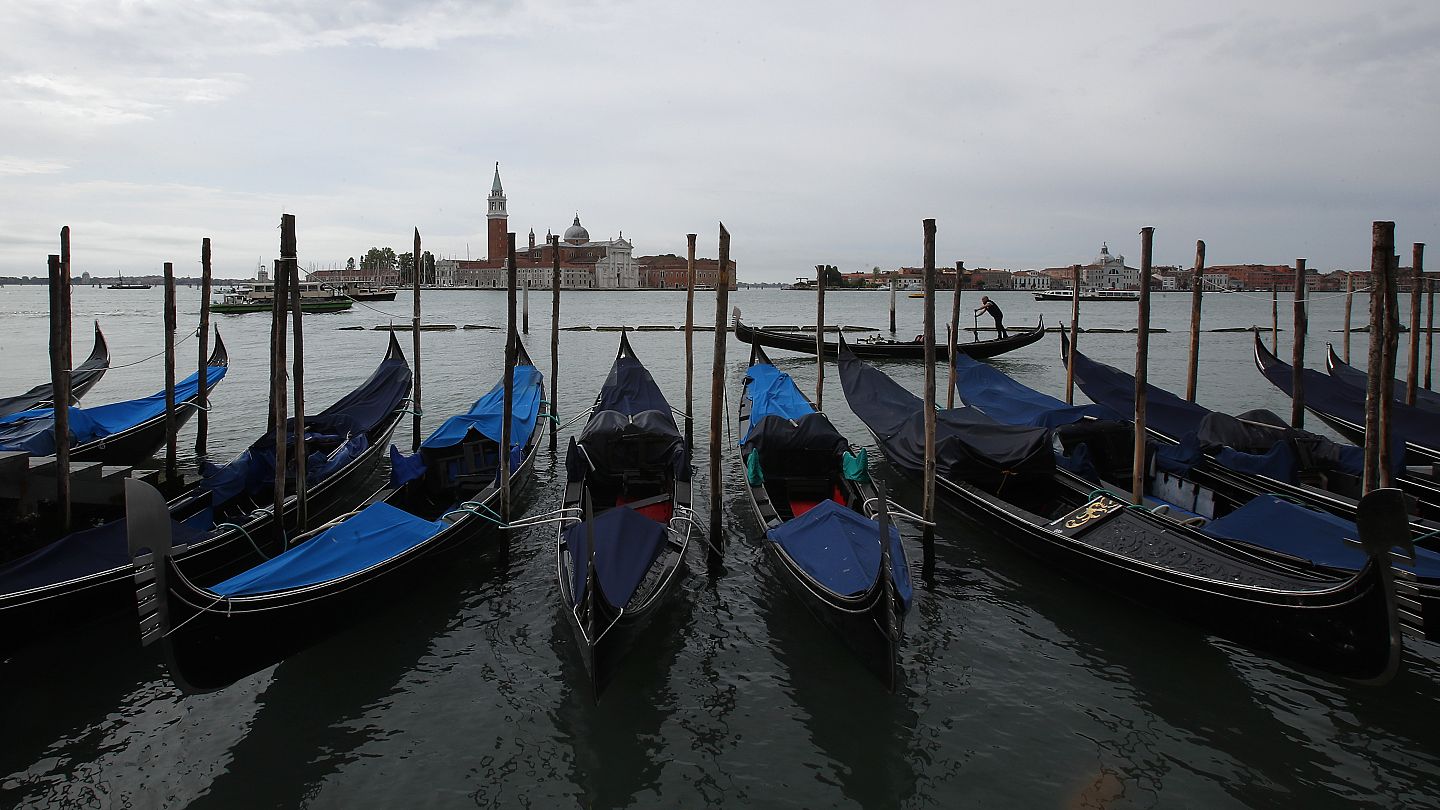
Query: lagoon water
[1020, 687]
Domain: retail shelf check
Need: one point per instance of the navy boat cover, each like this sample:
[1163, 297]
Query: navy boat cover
[970, 446]
[632, 427]
[347, 421]
[86, 552]
[1306, 534]
[1328, 395]
[1005, 400]
[626, 544]
[1348, 374]
[839, 548]
[379, 532]
[33, 431]
[1246, 443]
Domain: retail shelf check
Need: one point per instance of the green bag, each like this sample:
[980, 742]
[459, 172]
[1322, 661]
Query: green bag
[752, 469]
[856, 466]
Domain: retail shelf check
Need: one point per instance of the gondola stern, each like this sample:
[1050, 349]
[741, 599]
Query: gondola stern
[148, 538]
[219, 356]
[393, 351]
[1383, 526]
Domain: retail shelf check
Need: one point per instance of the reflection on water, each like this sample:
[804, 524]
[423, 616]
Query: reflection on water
[1020, 687]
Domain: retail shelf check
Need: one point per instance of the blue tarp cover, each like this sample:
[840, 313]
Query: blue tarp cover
[626, 544]
[253, 471]
[488, 411]
[773, 393]
[86, 552]
[1278, 464]
[985, 387]
[34, 431]
[839, 548]
[378, 533]
[1269, 522]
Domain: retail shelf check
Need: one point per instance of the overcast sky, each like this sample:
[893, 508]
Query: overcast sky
[817, 132]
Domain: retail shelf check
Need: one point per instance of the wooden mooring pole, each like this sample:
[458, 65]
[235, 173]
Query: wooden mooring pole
[1274, 319]
[1197, 292]
[954, 336]
[525, 308]
[1142, 367]
[1349, 306]
[554, 335]
[508, 390]
[1391, 334]
[1429, 327]
[892, 306]
[1074, 333]
[1297, 357]
[717, 387]
[1417, 273]
[820, 336]
[415, 351]
[60, 365]
[278, 396]
[302, 502]
[1377, 388]
[202, 415]
[690, 340]
[172, 463]
[928, 504]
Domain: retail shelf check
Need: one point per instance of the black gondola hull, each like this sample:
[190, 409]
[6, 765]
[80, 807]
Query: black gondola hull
[979, 349]
[26, 616]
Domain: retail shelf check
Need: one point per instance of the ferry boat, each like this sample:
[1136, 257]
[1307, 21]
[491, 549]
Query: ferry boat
[121, 285]
[259, 296]
[1087, 295]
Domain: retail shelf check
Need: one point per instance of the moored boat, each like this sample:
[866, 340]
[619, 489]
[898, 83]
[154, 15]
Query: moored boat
[1004, 477]
[259, 296]
[883, 348]
[436, 500]
[827, 531]
[225, 522]
[116, 433]
[620, 547]
[82, 379]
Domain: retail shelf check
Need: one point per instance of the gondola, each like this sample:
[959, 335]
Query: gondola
[1004, 477]
[620, 547]
[222, 524]
[886, 349]
[82, 379]
[1255, 450]
[1425, 399]
[119, 433]
[1228, 494]
[823, 518]
[1342, 406]
[442, 497]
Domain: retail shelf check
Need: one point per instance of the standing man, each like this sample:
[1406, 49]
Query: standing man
[986, 305]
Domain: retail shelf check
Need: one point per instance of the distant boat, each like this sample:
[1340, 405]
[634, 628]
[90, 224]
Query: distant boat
[917, 295]
[260, 297]
[361, 290]
[1087, 295]
[121, 285]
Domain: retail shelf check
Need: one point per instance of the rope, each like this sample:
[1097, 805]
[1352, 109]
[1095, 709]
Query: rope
[161, 353]
[237, 527]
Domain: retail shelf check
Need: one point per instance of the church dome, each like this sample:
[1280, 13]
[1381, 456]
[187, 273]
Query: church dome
[576, 234]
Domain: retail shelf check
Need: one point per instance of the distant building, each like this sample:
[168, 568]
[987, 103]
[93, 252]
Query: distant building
[1029, 280]
[668, 271]
[1105, 272]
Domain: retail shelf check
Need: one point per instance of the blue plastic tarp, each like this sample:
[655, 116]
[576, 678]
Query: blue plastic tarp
[253, 471]
[840, 548]
[487, 414]
[378, 533]
[89, 551]
[1279, 463]
[1319, 537]
[773, 393]
[985, 387]
[626, 544]
[33, 431]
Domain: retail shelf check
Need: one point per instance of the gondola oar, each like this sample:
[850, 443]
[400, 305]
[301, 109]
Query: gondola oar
[592, 590]
[892, 612]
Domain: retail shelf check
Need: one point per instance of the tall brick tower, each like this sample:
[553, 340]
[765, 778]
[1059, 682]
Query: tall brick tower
[498, 220]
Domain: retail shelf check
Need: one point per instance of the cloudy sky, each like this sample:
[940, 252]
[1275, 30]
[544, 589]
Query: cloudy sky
[817, 132]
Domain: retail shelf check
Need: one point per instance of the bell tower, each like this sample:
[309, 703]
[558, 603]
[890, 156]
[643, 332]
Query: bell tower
[497, 220]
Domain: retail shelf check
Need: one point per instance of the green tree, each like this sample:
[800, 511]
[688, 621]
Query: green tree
[350, 264]
[378, 260]
[406, 264]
